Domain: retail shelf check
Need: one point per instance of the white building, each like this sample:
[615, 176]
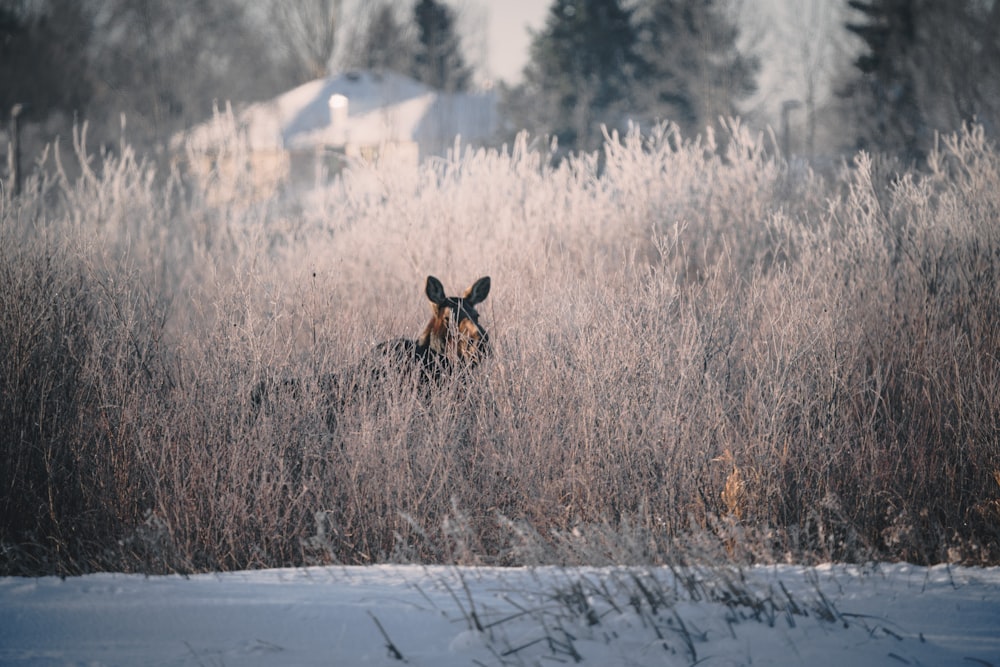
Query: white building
[308, 133]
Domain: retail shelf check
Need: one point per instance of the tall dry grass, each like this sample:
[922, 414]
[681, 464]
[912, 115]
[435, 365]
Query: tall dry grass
[699, 348]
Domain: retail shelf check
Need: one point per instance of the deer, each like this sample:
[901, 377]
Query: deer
[452, 342]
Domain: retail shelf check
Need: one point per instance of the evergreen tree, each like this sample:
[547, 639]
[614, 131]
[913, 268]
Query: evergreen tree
[43, 57]
[438, 61]
[583, 65]
[694, 71]
[885, 93]
[928, 65]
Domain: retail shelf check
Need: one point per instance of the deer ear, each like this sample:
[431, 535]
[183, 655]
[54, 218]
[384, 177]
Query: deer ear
[478, 292]
[435, 291]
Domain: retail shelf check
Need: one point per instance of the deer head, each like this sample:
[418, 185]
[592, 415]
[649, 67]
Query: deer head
[454, 333]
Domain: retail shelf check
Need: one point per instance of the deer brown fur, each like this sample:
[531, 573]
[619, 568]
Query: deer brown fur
[452, 340]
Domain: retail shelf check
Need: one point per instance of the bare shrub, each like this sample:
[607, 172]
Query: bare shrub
[696, 351]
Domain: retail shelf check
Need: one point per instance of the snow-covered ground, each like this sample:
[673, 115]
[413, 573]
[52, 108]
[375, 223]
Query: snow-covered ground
[833, 615]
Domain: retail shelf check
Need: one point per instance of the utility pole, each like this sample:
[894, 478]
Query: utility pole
[786, 140]
[15, 148]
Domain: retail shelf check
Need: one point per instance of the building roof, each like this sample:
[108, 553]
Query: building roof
[380, 107]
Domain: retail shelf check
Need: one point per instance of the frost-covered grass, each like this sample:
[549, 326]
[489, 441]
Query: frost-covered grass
[702, 353]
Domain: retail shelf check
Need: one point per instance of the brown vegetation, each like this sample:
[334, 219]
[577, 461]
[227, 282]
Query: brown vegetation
[692, 346]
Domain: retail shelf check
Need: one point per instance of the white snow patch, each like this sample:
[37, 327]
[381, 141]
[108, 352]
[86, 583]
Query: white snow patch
[885, 614]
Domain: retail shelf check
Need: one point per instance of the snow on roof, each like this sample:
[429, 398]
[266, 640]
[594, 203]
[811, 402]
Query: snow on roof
[381, 107]
[392, 122]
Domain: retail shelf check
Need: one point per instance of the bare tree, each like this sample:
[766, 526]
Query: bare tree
[382, 41]
[162, 64]
[307, 31]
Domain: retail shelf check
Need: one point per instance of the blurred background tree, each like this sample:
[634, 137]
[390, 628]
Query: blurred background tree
[924, 65]
[693, 70]
[163, 64]
[305, 34]
[384, 42]
[160, 65]
[582, 71]
[927, 65]
[602, 62]
[44, 60]
[438, 60]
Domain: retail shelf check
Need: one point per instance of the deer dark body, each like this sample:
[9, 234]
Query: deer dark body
[453, 340]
